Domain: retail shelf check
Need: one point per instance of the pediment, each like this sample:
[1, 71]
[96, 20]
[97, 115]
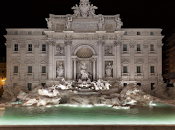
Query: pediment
[43, 62]
[29, 62]
[139, 62]
[15, 62]
[125, 62]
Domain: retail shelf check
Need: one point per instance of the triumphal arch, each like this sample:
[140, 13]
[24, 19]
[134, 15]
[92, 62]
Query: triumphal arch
[83, 46]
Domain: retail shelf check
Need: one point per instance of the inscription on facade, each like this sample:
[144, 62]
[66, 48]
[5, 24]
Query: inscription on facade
[84, 26]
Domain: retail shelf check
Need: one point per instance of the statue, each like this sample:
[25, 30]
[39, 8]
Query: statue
[60, 70]
[76, 10]
[101, 23]
[84, 9]
[69, 23]
[119, 23]
[84, 73]
[49, 23]
[109, 70]
[92, 10]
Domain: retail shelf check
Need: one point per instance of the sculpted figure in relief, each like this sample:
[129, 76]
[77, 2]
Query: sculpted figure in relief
[119, 23]
[108, 50]
[109, 70]
[92, 10]
[83, 71]
[60, 49]
[60, 70]
[69, 23]
[84, 9]
[49, 23]
[101, 23]
[76, 10]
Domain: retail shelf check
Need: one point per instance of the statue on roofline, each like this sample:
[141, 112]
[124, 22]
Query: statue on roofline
[84, 9]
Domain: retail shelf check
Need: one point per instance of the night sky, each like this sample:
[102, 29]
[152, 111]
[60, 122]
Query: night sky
[134, 13]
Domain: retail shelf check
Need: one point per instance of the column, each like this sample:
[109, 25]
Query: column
[159, 58]
[22, 64]
[50, 65]
[132, 64]
[75, 67]
[94, 60]
[37, 70]
[117, 62]
[100, 58]
[8, 64]
[68, 44]
[146, 64]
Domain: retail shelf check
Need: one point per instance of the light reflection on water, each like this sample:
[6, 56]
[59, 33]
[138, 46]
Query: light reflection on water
[71, 115]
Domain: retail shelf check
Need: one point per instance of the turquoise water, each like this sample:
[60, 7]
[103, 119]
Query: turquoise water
[99, 115]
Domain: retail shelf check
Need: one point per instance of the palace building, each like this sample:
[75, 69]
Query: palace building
[83, 46]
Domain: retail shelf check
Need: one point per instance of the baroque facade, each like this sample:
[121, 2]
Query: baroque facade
[83, 45]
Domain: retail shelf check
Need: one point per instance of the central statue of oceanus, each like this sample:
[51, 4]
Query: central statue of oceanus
[84, 9]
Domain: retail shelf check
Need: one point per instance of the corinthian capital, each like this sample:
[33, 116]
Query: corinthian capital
[117, 43]
[51, 42]
[100, 42]
[68, 42]
[8, 44]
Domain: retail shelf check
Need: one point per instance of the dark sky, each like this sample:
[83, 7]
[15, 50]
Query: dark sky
[134, 13]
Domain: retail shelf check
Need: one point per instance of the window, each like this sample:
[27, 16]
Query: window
[124, 47]
[138, 69]
[138, 47]
[139, 84]
[15, 69]
[43, 47]
[43, 69]
[15, 47]
[151, 33]
[29, 47]
[43, 84]
[29, 33]
[152, 69]
[152, 86]
[125, 33]
[29, 86]
[29, 69]
[152, 47]
[125, 69]
[124, 84]
[138, 33]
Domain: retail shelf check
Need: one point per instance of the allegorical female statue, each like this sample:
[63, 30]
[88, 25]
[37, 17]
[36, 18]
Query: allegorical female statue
[119, 23]
[60, 70]
[109, 70]
[69, 23]
[101, 24]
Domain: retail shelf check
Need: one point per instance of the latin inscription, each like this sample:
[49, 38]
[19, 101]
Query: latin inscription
[84, 26]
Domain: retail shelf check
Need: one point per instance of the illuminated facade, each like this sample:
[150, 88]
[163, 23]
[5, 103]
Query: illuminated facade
[109, 52]
[2, 73]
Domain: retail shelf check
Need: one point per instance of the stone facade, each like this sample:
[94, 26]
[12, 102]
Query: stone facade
[108, 51]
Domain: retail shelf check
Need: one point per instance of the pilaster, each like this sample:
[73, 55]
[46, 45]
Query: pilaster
[117, 61]
[100, 58]
[132, 58]
[68, 44]
[146, 60]
[8, 63]
[50, 58]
